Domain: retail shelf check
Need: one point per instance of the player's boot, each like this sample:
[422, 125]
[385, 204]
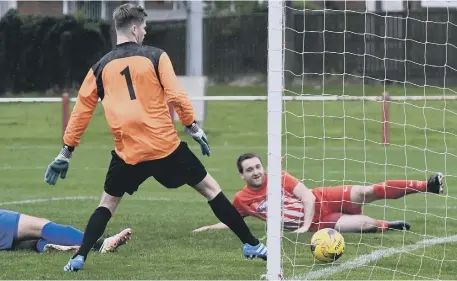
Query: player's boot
[75, 264]
[112, 243]
[400, 225]
[49, 248]
[258, 251]
[435, 183]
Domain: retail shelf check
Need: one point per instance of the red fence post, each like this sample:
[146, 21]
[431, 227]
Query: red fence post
[65, 111]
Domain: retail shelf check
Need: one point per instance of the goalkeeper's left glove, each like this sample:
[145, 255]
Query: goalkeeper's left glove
[59, 167]
[199, 136]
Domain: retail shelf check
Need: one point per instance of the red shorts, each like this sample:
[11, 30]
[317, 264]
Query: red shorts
[331, 204]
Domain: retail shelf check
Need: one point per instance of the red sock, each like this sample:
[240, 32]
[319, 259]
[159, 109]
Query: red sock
[394, 189]
[382, 225]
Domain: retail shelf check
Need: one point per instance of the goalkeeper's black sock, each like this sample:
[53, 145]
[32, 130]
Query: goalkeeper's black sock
[227, 214]
[94, 230]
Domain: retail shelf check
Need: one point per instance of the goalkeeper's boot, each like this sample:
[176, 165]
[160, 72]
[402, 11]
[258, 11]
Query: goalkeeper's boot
[435, 183]
[251, 252]
[75, 264]
[400, 225]
[110, 244]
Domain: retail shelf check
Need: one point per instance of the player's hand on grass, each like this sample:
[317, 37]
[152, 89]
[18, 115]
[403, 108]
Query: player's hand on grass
[199, 136]
[301, 230]
[218, 225]
[203, 228]
[58, 167]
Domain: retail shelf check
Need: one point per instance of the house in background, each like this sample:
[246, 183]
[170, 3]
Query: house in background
[157, 10]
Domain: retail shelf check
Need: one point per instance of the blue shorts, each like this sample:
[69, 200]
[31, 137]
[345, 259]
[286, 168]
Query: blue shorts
[9, 222]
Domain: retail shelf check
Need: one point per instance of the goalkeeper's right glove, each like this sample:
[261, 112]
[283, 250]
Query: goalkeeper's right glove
[58, 167]
[199, 136]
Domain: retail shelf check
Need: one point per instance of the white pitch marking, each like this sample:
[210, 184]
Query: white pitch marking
[373, 257]
[70, 198]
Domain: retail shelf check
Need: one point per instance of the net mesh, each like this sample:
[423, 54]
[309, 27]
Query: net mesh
[339, 64]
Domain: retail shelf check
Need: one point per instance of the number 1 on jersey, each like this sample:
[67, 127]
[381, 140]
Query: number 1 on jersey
[128, 79]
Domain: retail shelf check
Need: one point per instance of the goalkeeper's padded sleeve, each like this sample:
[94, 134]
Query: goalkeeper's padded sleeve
[191, 125]
[82, 111]
[174, 92]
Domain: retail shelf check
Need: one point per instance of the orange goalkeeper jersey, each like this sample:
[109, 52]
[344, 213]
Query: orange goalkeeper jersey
[135, 84]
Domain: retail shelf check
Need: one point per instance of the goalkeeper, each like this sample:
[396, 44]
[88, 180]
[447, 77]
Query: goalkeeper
[20, 231]
[338, 207]
[135, 83]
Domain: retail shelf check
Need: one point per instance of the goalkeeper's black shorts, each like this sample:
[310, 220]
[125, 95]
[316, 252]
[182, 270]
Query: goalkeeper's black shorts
[177, 169]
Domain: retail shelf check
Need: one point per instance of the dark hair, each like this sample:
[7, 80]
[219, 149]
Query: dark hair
[127, 14]
[243, 157]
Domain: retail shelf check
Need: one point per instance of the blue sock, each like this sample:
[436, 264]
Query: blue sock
[40, 245]
[61, 235]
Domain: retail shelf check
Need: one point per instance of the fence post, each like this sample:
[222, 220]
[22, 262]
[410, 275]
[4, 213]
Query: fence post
[65, 111]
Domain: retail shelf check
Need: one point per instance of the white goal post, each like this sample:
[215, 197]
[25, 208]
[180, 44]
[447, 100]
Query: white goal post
[346, 52]
[274, 132]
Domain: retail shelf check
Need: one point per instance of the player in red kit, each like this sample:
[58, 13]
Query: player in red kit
[338, 207]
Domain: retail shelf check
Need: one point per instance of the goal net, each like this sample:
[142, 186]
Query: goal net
[358, 97]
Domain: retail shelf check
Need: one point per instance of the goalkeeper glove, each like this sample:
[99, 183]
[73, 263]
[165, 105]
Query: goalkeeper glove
[199, 136]
[59, 166]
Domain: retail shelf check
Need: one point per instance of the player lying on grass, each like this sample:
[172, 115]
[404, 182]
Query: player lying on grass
[338, 207]
[135, 84]
[20, 231]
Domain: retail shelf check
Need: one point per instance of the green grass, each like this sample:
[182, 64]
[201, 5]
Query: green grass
[325, 143]
[314, 87]
[319, 88]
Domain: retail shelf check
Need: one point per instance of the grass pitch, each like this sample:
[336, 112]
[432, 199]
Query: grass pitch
[324, 144]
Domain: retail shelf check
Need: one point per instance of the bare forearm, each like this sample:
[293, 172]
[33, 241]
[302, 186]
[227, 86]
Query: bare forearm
[212, 227]
[308, 210]
[219, 225]
[308, 199]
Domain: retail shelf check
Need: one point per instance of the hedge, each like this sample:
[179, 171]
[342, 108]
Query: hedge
[38, 53]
